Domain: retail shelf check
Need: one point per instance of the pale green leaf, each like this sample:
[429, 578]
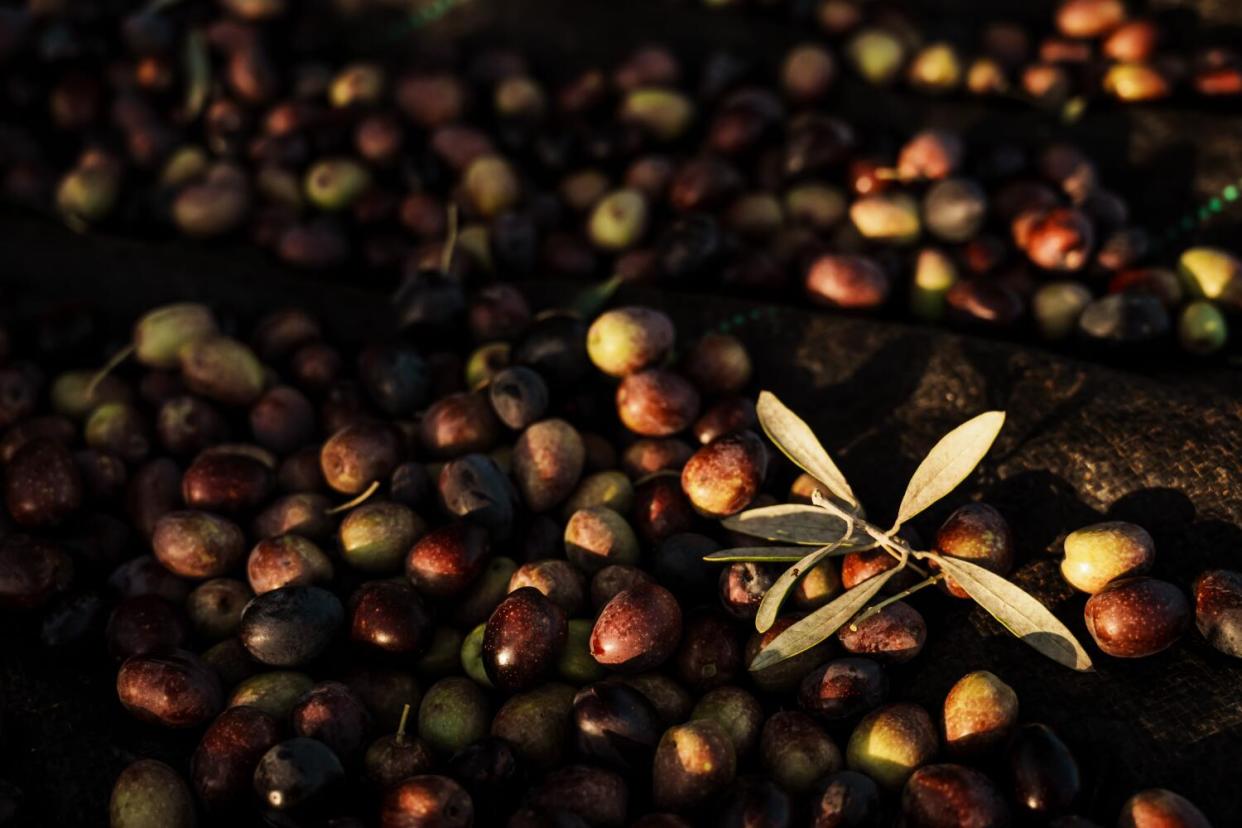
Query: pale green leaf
[770, 606]
[758, 554]
[1018, 611]
[795, 439]
[949, 463]
[809, 631]
[790, 523]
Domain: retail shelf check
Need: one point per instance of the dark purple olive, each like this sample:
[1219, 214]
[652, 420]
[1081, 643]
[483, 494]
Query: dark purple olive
[613, 579]
[710, 654]
[693, 762]
[283, 419]
[596, 795]
[523, 639]
[1137, 617]
[1218, 609]
[447, 560]
[756, 803]
[661, 510]
[731, 415]
[42, 485]
[197, 544]
[638, 630]
[391, 758]
[223, 764]
[425, 801]
[459, 424]
[743, 585]
[1042, 772]
[795, 751]
[292, 625]
[498, 311]
[389, 617]
[846, 799]
[175, 689]
[359, 454]
[332, 714]
[297, 773]
[31, 571]
[474, 487]
[395, 378]
[145, 625]
[226, 482]
[519, 396]
[938, 796]
[616, 724]
[843, 688]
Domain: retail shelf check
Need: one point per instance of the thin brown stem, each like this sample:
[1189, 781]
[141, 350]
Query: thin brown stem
[405, 716]
[370, 490]
[905, 593]
[109, 366]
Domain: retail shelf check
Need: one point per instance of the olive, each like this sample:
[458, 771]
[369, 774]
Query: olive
[1201, 328]
[142, 576]
[795, 751]
[359, 454]
[299, 514]
[662, 510]
[627, 340]
[743, 585]
[173, 689]
[1042, 772]
[296, 774]
[1137, 617]
[891, 742]
[954, 209]
[693, 762]
[425, 801]
[375, 537]
[391, 758]
[638, 629]
[32, 571]
[287, 560]
[717, 364]
[847, 282]
[616, 724]
[283, 419]
[547, 463]
[734, 709]
[656, 403]
[614, 579]
[598, 537]
[333, 714]
[144, 625]
[222, 369]
[42, 485]
[710, 654]
[1057, 307]
[596, 795]
[944, 795]
[1218, 609]
[275, 693]
[977, 533]
[555, 578]
[1124, 319]
[187, 424]
[150, 794]
[727, 416]
[223, 764]
[226, 482]
[723, 477]
[648, 456]
[538, 723]
[196, 544]
[979, 713]
[1099, 554]
[846, 799]
[842, 688]
[453, 714]
[292, 625]
[161, 334]
[490, 771]
[388, 617]
[756, 802]
[445, 561]
[1159, 807]
[120, 429]
[475, 488]
[523, 638]
[385, 692]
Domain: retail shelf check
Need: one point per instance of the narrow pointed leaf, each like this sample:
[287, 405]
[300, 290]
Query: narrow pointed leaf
[758, 554]
[822, 623]
[1018, 611]
[795, 439]
[770, 606]
[949, 463]
[790, 523]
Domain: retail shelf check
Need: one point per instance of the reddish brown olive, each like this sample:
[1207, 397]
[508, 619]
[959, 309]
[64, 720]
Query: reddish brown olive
[222, 767]
[459, 424]
[359, 454]
[42, 484]
[442, 563]
[1160, 808]
[226, 482]
[942, 795]
[1218, 609]
[389, 617]
[693, 762]
[175, 689]
[723, 477]
[656, 403]
[661, 510]
[895, 634]
[333, 714]
[1137, 617]
[648, 456]
[849, 282]
[637, 630]
[522, 639]
[287, 560]
[979, 534]
[843, 688]
[425, 801]
[32, 570]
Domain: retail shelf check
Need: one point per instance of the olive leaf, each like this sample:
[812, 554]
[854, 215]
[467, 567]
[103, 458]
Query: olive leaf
[197, 73]
[949, 463]
[1018, 611]
[790, 523]
[780, 589]
[807, 632]
[591, 300]
[759, 554]
[795, 439]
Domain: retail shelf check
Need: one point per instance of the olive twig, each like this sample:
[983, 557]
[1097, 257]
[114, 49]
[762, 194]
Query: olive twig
[405, 715]
[888, 542]
[892, 599]
[349, 504]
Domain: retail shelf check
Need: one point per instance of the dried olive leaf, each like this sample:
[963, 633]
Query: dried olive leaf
[770, 606]
[790, 523]
[1018, 611]
[764, 554]
[197, 73]
[795, 439]
[806, 633]
[949, 463]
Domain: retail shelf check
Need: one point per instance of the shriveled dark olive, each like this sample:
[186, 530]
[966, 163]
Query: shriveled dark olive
[743, 585]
